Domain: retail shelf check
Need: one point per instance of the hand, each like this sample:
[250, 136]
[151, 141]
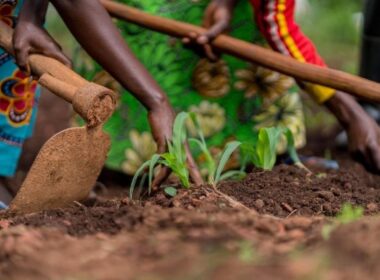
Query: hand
[364, 142]
[362, 131]
[161, 121]
[29, 38]
[216, 19]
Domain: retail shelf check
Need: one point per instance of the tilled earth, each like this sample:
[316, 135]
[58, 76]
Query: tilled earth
[288, 190]
[204, 234]
[267, 227]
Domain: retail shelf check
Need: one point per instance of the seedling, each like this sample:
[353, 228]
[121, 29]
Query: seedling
[348, 214]
[247, 254]
[214, 170]
[263, 152]
[175, 158]
[171, 191]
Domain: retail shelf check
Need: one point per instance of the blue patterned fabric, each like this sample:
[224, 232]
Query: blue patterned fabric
[18, 100]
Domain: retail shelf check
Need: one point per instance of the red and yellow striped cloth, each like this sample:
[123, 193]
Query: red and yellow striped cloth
[275, 18]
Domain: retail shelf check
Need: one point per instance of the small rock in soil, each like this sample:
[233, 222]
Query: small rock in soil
[298, 222]
[329, 196]
[259, 203]
[372, 207]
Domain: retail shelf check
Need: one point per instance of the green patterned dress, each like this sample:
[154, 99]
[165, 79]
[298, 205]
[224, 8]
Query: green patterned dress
[231, 97]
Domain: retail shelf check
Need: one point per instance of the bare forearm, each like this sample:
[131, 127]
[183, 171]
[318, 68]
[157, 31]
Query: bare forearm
[34, 11]
[93, 28]
[345, 108]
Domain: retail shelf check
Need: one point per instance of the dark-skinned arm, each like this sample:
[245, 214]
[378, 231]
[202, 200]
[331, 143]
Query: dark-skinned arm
[91, 25]
[363, 132]
[30, 37]
[93, 28]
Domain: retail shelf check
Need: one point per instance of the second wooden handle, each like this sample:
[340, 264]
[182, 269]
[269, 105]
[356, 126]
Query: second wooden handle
[359, 87]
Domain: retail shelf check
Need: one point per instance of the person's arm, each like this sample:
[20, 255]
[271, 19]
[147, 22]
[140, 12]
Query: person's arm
[34, 11]
[91, 25]
[93, 28]
[363, 132]
[30, 37]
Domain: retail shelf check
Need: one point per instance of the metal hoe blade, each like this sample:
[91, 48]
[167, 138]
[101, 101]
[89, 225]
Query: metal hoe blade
[65, 170]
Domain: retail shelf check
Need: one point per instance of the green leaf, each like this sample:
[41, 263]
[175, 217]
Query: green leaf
[349, 213]
[291, 146]
[233, 174]
[153, 162]
[171, 191]
[210, 162]
[229, 149]
[137, 175]
[327, 230]
[193, 117]
[179, 135]
[265, 151]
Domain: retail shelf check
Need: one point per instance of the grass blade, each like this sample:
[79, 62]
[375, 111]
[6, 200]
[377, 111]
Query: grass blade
[230, 148]
[171, 191]
[137, 175]
[233, 173]
[210, 163]
[179, 135]
[292, 151]
[153, 162]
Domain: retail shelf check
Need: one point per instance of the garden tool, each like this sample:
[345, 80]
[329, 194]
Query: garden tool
[356, 86]
[68, 164]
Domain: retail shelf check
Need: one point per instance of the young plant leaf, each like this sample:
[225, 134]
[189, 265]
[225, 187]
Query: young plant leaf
[265, 151]
[178, 168]
[171, 191]
[138, 173]
[179, 136]
[152, 164]
[229, 149]
[210, 162]
[349, 213]
[233, 174]
[292, 151]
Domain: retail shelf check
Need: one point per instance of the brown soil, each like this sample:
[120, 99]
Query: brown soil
[159, 236]
[288, 190]
[197, 235]
[201, 234]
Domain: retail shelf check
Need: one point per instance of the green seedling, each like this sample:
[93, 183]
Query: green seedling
[171, 191]
[247, 254]
[215, 170]
[175, 158]
[263, 152]
[348, 214]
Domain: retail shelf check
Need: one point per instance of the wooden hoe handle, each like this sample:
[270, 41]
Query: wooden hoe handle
[92, 102]
[359, 87]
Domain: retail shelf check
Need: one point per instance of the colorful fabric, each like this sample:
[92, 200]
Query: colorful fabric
[18, 100]
[275, 18]
[231, 98]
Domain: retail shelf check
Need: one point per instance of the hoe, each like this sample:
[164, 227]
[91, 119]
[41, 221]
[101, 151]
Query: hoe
[67, 166]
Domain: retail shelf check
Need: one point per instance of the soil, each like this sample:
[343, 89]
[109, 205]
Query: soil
[289, 190]
[196, 235]
[268, 225]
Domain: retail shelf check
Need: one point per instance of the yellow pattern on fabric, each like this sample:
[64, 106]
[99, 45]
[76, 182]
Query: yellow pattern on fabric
[320, 93]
